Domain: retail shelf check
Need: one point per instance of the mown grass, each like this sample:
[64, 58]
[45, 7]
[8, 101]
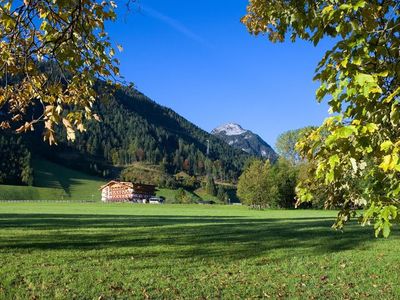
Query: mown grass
[125, 251]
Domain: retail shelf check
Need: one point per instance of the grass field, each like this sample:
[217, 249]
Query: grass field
[55, 182]
[121, 251]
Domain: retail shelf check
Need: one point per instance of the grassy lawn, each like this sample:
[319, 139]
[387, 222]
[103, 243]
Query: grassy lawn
[108, 251]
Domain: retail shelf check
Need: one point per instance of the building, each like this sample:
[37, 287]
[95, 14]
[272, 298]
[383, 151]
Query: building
[119, 191]
[143, 192]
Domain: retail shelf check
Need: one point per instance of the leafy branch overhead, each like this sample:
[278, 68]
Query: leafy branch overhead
[52, 52]
[356, 150]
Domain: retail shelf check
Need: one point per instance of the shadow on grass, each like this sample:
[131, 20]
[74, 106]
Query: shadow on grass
[179, 236]
[52, 175]
[82, 221]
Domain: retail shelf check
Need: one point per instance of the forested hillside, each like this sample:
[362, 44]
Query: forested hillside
[134, 128]
[15, 160]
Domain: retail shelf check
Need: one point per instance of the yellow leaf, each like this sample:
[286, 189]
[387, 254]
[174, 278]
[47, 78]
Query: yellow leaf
[70, 130]
[59, 109]
[49, 136]
[25, 127]
[7, 6]
[389, 162]
[96, 117]
[386, 145]
[392, 95]
[386, 162]
[327, 9]
[81, 128]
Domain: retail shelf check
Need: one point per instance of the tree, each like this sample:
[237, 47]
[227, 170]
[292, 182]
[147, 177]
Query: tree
[286, 176]
[181, 195]
[15, 161]
[286, 143]
[257, 187]
[359, 78]
[210, 186]
[299, 170]
[222, 195]
[53, 51]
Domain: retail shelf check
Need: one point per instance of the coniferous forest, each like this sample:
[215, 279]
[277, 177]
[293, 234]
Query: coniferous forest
[15, 161]
[132, 129]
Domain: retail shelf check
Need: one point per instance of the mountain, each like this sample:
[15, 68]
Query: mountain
[245, 140]
[133, 129]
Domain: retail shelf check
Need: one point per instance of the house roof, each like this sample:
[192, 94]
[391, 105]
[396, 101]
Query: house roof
[113, 182]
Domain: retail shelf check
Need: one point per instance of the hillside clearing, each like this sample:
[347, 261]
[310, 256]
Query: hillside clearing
[55, 182]
[107, 251]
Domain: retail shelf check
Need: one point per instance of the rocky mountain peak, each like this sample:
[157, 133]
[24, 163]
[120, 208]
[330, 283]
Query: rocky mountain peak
[245, 140]
[229, 129]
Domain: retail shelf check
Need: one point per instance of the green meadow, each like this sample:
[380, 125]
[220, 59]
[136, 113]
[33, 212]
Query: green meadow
[55, 182]
[128, 251]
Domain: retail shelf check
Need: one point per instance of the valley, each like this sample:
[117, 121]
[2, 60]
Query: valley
[116, 181]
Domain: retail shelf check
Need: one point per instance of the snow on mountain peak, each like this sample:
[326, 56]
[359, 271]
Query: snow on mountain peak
[229, 129]
[233, 134]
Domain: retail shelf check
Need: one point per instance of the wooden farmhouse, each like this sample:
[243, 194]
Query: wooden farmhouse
[119, 191]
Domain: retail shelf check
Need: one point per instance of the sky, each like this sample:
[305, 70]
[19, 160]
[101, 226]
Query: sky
[198, 59]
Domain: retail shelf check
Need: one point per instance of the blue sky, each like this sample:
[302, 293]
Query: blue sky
[198, 59]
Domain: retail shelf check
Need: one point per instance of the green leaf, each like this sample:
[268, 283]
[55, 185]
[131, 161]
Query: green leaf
[334, 160]
[386, 145]
[395, 115]
[362, 79]
[371, 127]
[345, 6]
[359, 4]
[386, 229]
[330, 177]
[345, 132]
